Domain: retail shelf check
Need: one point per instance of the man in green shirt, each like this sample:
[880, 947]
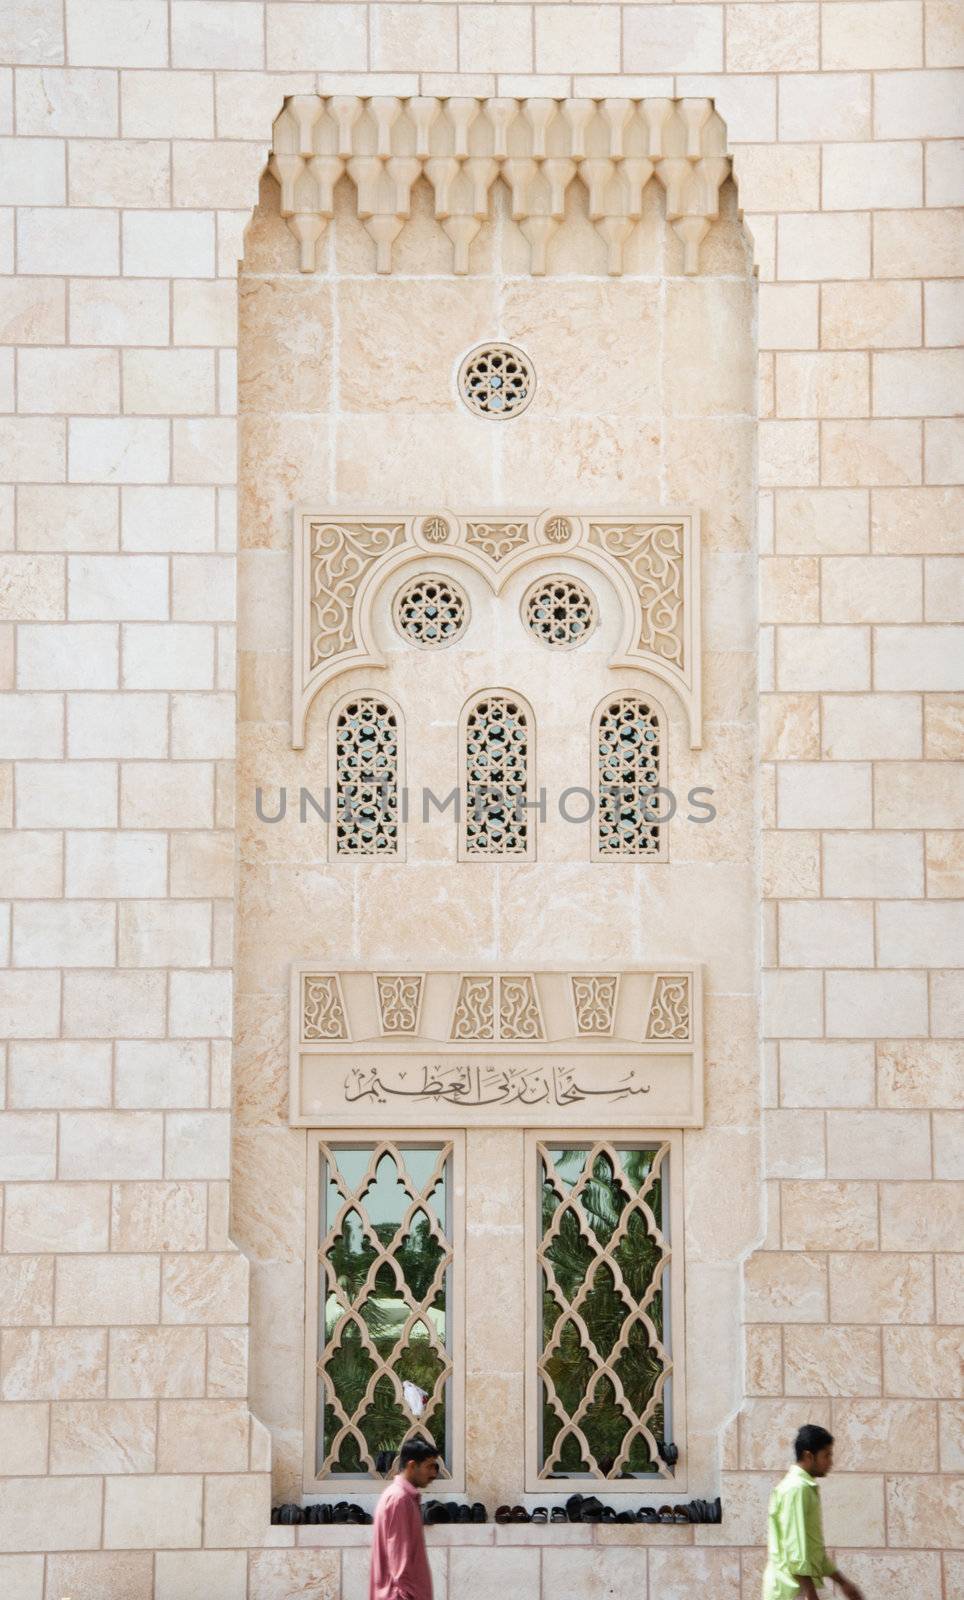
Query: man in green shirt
[798, 1560]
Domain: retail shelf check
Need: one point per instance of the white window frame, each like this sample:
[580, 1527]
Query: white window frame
[674, 1321]
[313, 1483]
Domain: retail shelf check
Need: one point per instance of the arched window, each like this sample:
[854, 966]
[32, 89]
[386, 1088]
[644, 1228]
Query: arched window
[628, 762]
[366, 743]
[497, 765]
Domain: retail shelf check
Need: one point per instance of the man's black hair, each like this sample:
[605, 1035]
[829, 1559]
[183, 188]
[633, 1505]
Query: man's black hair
[811, 1438]
[417, 1450]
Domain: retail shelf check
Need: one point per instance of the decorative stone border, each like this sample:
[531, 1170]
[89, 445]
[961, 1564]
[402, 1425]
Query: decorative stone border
[342, 559]
[482, 1048]
[462, 144]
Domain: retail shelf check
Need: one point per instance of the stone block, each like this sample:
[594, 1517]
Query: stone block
[119, 1289]
[50, 1513]
[156, 1363]
[832, 1361]
[183, 1575]
[827, 1073]
[54, 1363]
[875, 1289]
[27, 1145]
[829, 1216]
[67, 517]
[871, 864]
[159, 1216]
[918, 105]
[853, 1510]
[917, 383]
[159, 244]
[862, 35]
[889, 1145]
[923, 1362]
[792, 1005]
[870, 1004]
[24, 1431]
[118, 449]
[865, 176]
[920, 1074]
[102, 1436]
[821, 246]
[920, 1216]
[33, 726]
[142, 1513]
[112, 1005]
[76, 933]
[288, 1574]
[885, 1436]
[70, 656]
[205, 1288]
[57, 1217]
[785, 1287]
[111, 1144]
[27, 1290]
[815, 795]
[823, 107]
[109, 865]
[118, 313]
[925, 1510]
[48, 236]
[236, 1509]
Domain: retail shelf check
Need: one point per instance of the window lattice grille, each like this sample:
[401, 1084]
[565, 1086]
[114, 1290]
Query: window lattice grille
[628, 761]
[385, 1264]
[431, 611]
[560, 612]
[497, 754]
[366, 778]
[603, 1257]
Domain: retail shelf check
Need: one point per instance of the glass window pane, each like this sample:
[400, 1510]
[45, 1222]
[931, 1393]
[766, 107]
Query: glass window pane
[384, 1358]
[604, 1366]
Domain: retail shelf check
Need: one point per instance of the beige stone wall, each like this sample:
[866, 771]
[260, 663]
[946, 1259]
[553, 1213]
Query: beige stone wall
[133, 136]
[623, 411]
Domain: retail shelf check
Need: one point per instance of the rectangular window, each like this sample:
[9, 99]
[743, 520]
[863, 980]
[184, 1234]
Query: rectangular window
[384, 1336]
[604, 1382]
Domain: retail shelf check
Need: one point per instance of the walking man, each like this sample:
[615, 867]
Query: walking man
[400, 1568]
[798, 1560]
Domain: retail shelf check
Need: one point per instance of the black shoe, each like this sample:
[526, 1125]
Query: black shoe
[540, 1514]
[290, 1514]
[463, 1514]
[625, 1516]
[479, 1512]
[557, 1514]
[574, 1507]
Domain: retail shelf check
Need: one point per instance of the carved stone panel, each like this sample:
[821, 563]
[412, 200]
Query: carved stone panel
[343, 559]
[496, 1049]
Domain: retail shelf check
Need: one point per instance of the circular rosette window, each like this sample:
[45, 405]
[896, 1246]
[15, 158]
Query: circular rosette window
[560, 611]
[497, 380]
[431, 611]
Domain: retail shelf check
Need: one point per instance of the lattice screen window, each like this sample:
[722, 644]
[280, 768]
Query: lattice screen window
[498, 776]
[382, 1325]
[366, 737]
[628, 756]
[601, 1388]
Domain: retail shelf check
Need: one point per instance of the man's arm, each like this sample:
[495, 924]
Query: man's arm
[848, 1589]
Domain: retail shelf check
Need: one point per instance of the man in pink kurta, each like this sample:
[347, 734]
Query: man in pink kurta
[400, 1568]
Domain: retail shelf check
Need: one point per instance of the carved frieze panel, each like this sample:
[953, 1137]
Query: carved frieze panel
[496, 1049]
[342, 560]
[461, 146]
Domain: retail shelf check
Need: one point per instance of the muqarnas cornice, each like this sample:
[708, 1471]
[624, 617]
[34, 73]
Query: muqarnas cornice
[462, 145]
[342, 560]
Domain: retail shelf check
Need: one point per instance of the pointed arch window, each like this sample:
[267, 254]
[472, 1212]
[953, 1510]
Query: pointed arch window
[497, 758]
[628, 761]
[366, 741]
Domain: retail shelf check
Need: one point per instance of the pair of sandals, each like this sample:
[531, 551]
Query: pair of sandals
[342, 1512]
[520, 1514]
[435, 1511]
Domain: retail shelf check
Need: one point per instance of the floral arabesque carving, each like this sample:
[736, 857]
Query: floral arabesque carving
[342, 561]
[669, 1016]
[323, 1013]
[537, 147]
